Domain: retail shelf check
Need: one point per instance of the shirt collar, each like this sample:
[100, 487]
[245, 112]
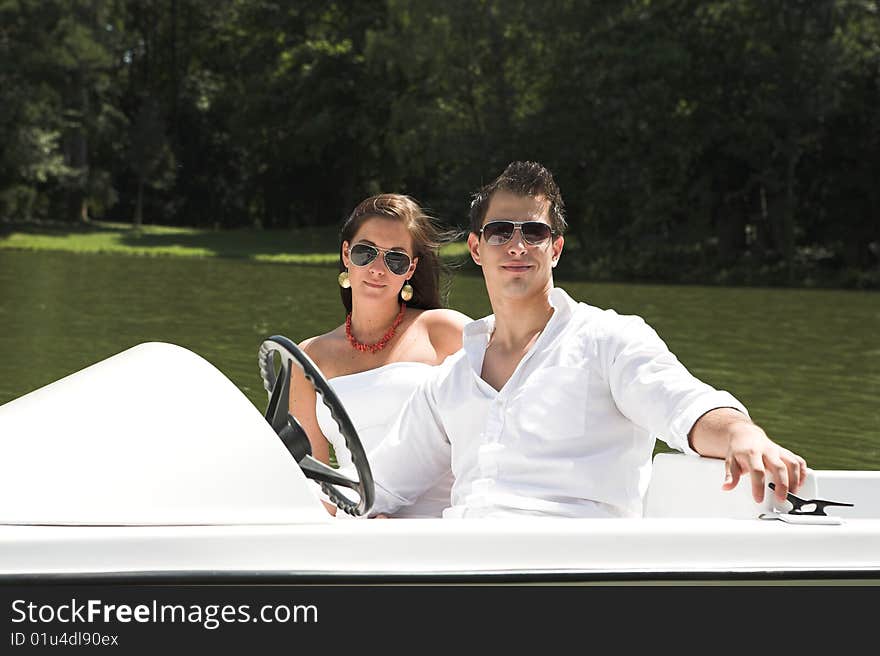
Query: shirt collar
[474, 339]
[476, 330]
[561, 302]
[476, 334]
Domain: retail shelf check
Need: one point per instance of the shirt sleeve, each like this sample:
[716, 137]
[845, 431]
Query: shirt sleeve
[414, 455]
[652, 388]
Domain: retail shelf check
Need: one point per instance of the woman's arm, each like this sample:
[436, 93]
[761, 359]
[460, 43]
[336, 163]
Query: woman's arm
[302, 406]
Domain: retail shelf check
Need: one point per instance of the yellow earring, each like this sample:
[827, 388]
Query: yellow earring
[344, 282]
[407, 292]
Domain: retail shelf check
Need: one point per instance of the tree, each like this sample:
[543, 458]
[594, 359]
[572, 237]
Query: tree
[151, 157]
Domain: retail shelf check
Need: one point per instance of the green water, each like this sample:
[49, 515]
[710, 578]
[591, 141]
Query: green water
[805, 362]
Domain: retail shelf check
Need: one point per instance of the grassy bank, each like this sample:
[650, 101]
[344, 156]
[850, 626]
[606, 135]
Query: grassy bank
[318, 246]
[298, 246]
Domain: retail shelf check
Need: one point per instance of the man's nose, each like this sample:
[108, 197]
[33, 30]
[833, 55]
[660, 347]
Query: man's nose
[517, 242]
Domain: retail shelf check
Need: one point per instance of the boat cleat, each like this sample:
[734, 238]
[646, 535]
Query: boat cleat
[805, 511]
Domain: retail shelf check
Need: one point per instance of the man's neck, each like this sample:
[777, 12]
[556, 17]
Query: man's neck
[518, 320]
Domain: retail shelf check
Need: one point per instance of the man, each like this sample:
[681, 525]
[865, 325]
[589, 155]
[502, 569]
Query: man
[551, 406]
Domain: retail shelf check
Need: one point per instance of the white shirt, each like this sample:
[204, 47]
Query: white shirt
[570, 434]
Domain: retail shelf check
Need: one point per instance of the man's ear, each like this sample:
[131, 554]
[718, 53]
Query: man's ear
[474, 248]
[558, 243]
[345, 259]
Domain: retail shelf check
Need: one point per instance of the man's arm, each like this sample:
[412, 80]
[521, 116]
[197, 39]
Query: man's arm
[727, 433]
[656, 391]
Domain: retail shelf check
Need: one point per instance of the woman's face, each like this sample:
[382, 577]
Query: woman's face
[375, 279]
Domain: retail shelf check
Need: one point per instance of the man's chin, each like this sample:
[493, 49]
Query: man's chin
[517, 288]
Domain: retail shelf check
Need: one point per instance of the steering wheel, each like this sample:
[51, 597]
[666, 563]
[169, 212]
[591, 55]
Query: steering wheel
[294, 437]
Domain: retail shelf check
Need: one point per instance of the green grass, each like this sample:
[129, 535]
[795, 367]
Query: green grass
[298, 246]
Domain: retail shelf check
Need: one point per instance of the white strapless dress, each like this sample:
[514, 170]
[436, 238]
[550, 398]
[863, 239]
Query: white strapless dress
[373, 400]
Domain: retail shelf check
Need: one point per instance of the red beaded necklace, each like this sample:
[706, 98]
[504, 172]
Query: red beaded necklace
[378, 346]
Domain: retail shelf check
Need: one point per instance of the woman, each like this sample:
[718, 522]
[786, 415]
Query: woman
[395, 331]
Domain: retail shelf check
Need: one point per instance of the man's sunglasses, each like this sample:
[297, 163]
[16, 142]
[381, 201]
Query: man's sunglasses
[501, 232]
[397, 262]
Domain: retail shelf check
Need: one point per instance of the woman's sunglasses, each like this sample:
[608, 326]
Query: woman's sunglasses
[501, 232]
[397, 262]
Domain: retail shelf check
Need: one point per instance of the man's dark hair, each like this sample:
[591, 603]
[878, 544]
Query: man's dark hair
[524, 179]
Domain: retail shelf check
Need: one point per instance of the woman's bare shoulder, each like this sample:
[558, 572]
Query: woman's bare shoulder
[444, 328]
[445, 317]
[323, 348]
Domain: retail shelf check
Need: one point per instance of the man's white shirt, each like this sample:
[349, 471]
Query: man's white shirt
[571, 433]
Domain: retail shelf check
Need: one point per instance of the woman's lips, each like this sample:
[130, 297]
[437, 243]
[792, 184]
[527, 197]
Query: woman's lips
[373, 285]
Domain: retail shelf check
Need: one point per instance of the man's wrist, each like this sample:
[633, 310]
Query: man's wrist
[713, 431]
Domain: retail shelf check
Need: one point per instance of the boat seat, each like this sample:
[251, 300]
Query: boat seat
[690, 486]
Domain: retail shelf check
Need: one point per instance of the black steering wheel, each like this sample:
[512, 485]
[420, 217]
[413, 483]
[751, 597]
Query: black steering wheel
[294, 437]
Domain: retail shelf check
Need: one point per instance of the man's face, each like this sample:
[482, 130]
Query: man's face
[516, 269]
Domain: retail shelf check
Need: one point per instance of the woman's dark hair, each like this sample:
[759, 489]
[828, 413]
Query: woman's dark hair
[427, 239]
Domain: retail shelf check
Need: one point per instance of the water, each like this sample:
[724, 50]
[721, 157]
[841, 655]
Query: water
[805, 362]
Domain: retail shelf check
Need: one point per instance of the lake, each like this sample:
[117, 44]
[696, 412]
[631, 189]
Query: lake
[805, 362]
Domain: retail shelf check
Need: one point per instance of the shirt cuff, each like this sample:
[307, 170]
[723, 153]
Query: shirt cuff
[685, 421]
[385, 501]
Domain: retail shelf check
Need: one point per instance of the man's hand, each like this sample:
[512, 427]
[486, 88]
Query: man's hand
[751, 452]
[746, 449]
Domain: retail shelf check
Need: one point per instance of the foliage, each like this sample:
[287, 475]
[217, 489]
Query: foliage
[694, 140]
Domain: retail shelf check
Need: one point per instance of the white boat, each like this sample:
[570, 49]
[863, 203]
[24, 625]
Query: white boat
[151, 465]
